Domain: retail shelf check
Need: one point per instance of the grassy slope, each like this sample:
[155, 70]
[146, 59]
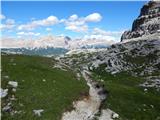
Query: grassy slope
[128, 99]
[54, 96]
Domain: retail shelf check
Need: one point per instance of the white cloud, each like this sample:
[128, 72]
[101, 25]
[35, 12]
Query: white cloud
[103, 32]
[99, 37]
[20, 33]
[76, 25]
[91, 40]
[79, 24]
[77, 28]
[51, 20]
[48, 29]
[73, 23]
[99, 31]
[10, 21]
[9, 24]
[28, 34]
[2, 16]
[96, 37]
[5, 26]
[94, 17]
[107, 34]
[73, 17]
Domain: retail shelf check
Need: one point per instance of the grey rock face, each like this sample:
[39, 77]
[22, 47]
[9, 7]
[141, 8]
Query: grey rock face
[148, 22]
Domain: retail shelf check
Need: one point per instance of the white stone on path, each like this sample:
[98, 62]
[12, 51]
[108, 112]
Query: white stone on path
[3, 92]
[13, 83]
[38, 112]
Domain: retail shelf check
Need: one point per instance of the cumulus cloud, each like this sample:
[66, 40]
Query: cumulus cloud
[48, 29]
[96, 37]
[79, 24]
[77, 28]
[99, 39]
[73, 17]
[51, 20]
[94, 17]
[2, 17]
[28, 34]
[103, 32]
[99, 36]
[91, 41]
[73, 23]
[10, 21]
[9, 24]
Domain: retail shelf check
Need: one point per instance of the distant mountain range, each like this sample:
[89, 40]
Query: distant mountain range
[51, 45]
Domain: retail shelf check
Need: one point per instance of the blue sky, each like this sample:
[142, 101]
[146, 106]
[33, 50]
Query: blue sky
[111, 16]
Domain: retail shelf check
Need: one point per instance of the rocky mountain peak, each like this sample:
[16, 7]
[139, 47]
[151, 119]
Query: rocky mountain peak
[148, 22]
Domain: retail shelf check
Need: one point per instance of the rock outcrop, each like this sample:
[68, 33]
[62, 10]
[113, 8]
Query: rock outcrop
[148, 22]
[138, 54]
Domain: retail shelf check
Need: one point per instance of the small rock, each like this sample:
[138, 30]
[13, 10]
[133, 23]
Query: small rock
[6, 76]
[11, 60]
[145, 90]
[144, 105]
[44, 80]
[14, 90]
[3, 92]
[152, 106]
[14, 64]
[13, 98]
[20, 104]
[13, 83]
[7, 107]
[102, 80]
[38, 112]
[14, 112]
[115, 115]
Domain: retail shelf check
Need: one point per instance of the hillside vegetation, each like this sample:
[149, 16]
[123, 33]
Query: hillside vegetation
[40, 86]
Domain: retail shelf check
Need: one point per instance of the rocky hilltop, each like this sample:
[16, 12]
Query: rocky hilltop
[148, 22]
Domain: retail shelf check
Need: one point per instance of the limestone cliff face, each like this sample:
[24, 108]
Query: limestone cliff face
[148, 22]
